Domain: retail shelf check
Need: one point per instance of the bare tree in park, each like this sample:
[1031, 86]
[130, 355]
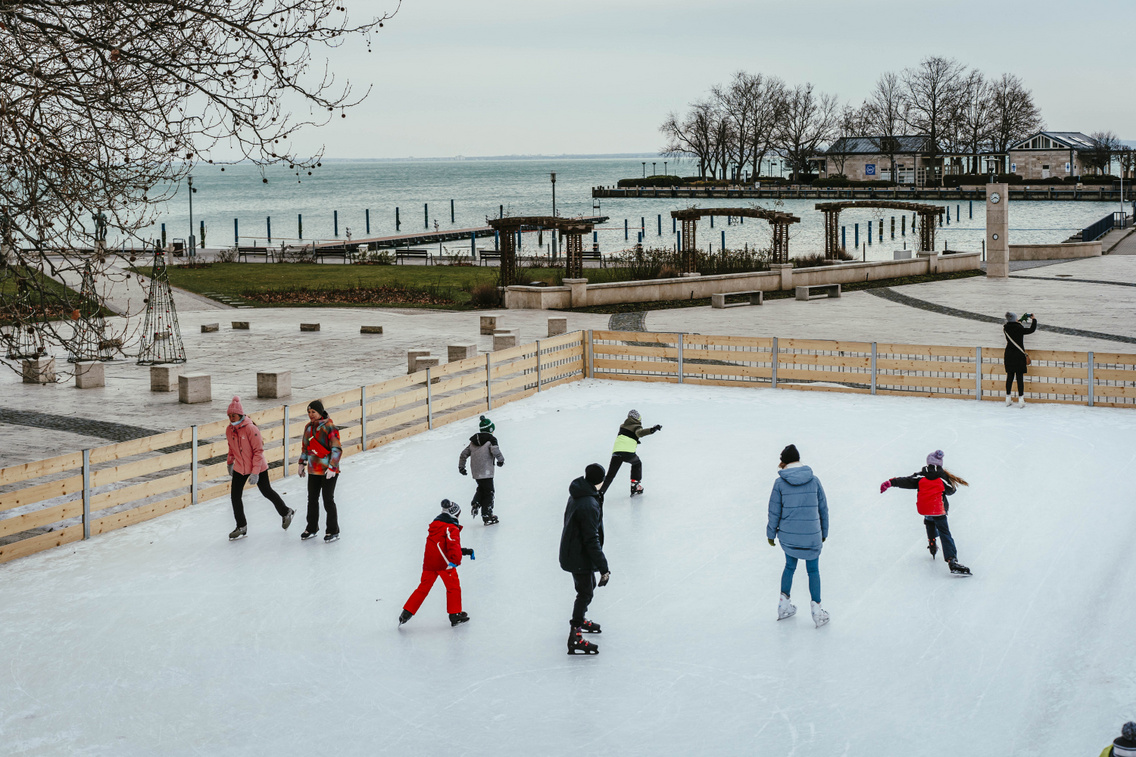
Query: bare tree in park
[105, 106]
[691, 135]
[1013, 116]
[1126, 157]
[885, 116]
[1099, 157]
[768, 103]
[809, 120]
[933, 89]
[976, 107]
[736, 104]
[852, 123]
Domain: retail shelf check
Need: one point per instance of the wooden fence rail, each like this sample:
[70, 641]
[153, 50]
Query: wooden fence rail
[48, 503]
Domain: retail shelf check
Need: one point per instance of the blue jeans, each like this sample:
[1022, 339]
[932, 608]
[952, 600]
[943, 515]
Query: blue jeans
[937, 526]
[813, 568]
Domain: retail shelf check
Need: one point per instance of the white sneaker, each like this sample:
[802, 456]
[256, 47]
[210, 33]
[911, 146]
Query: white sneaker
[785, 608]
[1021, 401]
[820, 615]
[1009, 400]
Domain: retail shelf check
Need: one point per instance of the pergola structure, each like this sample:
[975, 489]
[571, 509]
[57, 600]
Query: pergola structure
[928, 219]
[572, 230]
[778, 220]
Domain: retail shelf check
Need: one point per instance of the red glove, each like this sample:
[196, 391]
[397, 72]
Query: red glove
[885, 486]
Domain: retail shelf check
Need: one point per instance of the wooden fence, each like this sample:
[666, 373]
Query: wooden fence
[52, 502]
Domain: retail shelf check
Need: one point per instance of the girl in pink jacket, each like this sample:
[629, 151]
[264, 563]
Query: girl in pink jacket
[246, 463]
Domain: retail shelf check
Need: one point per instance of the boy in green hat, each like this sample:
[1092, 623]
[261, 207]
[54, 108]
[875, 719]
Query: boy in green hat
[483, 451]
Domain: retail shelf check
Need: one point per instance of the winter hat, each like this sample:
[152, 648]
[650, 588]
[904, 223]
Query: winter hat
[235, 406]
[935, 458]
[1125, 746]
[1011, 317]
[451, 508]
[486, 426]
[594, 474]
[790, 455]
[318, 407]
[633, 414]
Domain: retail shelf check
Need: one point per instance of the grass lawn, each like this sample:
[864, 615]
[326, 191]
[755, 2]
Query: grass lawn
[58, 301]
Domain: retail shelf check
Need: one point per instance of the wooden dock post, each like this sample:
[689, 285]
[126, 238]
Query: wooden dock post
[299, 225]
[335, 221]
[426, 214]
[397, 222]
[268, 221]
[367, 216]
[451, 211]
[236, 234]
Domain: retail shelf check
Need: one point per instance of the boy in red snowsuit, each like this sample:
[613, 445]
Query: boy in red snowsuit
[443, 555]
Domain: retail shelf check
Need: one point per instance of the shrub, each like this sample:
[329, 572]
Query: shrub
[227, 255]
[954, 180]
[485, 295]
[818, 259]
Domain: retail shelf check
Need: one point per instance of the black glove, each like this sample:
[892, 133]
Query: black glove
[500, 463]
[467, 551]
[462, 471]
[604, 578]
[656, 427]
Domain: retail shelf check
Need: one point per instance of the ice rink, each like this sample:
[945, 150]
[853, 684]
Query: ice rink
[166, 639]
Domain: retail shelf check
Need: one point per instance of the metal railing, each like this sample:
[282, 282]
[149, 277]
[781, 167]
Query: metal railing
[1095, 231]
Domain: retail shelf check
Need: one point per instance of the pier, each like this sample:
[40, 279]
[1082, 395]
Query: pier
[1090, 193]
[398, 241]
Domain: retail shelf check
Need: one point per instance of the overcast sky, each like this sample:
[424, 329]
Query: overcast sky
[462, 77]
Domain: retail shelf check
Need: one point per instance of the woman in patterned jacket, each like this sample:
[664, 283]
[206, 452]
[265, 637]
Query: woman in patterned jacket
[319, 461]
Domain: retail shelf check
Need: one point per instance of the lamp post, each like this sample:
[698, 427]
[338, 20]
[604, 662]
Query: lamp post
[554, 193]
[192, 251]
[644, 169]
[664, 168]
[654, 171]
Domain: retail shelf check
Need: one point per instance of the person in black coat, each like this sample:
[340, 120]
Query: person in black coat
[581, 552]
[1015, 357]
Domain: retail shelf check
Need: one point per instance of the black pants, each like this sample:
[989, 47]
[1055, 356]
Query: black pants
[617, 460]
[937, 526]
[585, 590]
[317, 484]
[265, 488]
[1021, 377]
[483, 497]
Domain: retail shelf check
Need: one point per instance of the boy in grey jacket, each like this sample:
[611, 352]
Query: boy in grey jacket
[483, 451]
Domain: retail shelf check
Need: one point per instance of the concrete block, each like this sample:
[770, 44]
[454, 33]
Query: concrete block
[412, 357]
[89, 375]
[164, 378]
[429, 362]
[309, 327]
[488, 324]
[207, 328]
[370, 329]
[273, 384]
[241, 325]
[901, 255]
[503, 340]
[456, 352]
[557, 326]
[194, 388]
[40, 370]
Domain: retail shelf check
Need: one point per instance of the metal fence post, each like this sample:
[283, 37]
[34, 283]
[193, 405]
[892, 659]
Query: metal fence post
[588, 347]
[773, 362]
[193, 465]
[1092, 399]
[429, 402]
[488, 381]
[680, 358]
[363, 418]
[978, 373]
[286, 467]
[873, 367]
[538, 365]
[87, 493]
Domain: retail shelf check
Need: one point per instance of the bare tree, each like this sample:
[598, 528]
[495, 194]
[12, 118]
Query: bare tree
[885, 115]
[691, 135]
[105, 106]
[933, 89]
[768, 103]
[1013, 116]
[1126, 157]
[1099, 156]
[851, 123]
[809, 121]
[975, 111]
[736, 104]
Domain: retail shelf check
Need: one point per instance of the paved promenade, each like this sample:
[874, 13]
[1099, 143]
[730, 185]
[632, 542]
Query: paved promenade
[1082, 305]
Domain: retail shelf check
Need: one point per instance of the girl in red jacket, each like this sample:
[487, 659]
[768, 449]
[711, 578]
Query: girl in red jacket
[246, 463]
[934, 484]
[443, 555]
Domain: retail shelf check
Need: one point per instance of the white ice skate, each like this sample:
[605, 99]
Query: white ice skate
[1009, 400]
[785, 608]
[820, 615]
[1021, 401]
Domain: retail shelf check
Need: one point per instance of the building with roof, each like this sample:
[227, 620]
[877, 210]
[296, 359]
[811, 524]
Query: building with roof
[868, 158]
[1050, 154]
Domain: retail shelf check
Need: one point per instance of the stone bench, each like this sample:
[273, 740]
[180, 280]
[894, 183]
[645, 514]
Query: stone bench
[38, 370]
[455, 352]
[503, 340]
[89, 375]
[241, 325]
[194, 388]
[756, 297]
[309, 327]
[425, 363]
[412, 358]
[370, 329]
[557, 326]
[164, 378]
[817, 291]
[488, 324]
[208, 328]
[273, 384]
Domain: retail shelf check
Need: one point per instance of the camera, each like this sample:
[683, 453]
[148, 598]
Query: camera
[1026, 317]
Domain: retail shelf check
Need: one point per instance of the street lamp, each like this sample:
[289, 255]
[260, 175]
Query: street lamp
[554, 193]
[654, 171]
[644, 169]
[664, 168]
[192, 251]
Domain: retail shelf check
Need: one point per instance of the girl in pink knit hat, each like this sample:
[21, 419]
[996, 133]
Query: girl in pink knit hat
[247, 464]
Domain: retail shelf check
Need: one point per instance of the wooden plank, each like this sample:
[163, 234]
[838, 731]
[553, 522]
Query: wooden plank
[635, 336]
[1114, 358]
[726, 382]
[394, 402]
[729, 356]
[133, 447]
[139, 514]
[998, 388]
[1113, 374]
[933, 382]
[624, 349]
[349, 433]
[30, 546]
[41, 518]
[39, 468]
[751, 371]
[630, 377]
[103, 500]
[560, 371]
[1113, 391]
[887, 348]
[559, 381]
[465, 364]
[863, 363]
[395, 436]
[1060, 356]
[393, 385]
[825, 345]
[513, 397]
[29, 495]
[144, 467]
[751, 342]
[210, 472]
[209, 430]
[340, 398]
[499, 389]
[457, 400]
[508, 369]
[512, 353]
[268, 417]
[928, 365]
[796, 374]
[573, 338]
[213, 449]
[824, 388]
[458, 415]
[213, 492]
[608, 364]
[397, 419]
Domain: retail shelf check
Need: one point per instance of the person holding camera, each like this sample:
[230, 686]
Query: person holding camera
[1016, 358]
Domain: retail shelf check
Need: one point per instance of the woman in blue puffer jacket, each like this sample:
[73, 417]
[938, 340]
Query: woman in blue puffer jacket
[798, 516]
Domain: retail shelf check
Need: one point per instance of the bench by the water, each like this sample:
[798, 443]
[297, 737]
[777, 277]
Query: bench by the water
[342, 251]
[756, 297]
[817, 291]
[243, 253]
[416, 254]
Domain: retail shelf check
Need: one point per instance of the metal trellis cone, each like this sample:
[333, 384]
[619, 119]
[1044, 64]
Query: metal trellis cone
[90, 341]
[161, 335]
[23, 340]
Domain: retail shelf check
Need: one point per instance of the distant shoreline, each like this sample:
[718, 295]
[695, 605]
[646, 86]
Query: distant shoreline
[595, 156]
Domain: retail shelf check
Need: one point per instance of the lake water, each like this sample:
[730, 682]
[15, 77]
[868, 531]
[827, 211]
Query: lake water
[479, 189]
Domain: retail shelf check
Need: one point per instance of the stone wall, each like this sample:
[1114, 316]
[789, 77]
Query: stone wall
[1065, 251]
[1029, 163]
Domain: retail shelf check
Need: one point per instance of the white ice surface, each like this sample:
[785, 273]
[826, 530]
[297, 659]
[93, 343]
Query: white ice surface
[166, 639]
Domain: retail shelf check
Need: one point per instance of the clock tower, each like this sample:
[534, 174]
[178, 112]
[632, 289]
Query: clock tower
[997, 231]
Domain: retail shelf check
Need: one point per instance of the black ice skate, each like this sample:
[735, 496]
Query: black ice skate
[287, 519]
[578, 645]
[457, 618]
[958, 568]
[308, 535]
[636, 488]
[932, 547]
[589, 627]
[239, 532]
[405, 616]
[490, 520]
[474, 508]
[329, 538]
